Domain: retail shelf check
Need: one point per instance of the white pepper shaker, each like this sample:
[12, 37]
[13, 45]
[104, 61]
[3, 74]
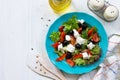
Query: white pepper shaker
[111, 13]
[96, 4]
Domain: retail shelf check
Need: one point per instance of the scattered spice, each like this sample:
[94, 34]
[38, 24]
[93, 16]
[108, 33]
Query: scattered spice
[41, 17]
[31, 48]
[49, 20]
[46, 25]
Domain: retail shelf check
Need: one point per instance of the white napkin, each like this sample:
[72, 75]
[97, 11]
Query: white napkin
[110, 68]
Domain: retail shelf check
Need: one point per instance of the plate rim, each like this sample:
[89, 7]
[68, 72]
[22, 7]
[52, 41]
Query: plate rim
[49, 34]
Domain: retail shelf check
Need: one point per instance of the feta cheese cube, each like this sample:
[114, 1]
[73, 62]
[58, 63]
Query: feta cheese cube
[76, 34]
[85, 55]
[70, 48]
[67, 37]
[90, 45]
[81, 21]
[60, 46]
[80, 40]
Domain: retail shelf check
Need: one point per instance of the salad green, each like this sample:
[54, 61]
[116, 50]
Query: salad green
[76, 42]
[55, 36]
[71, 24]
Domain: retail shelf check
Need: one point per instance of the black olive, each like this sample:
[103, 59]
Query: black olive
[84, 26]
[69, 55]
[65, 43]
[70, 32]
[77, 46]
[79, 24]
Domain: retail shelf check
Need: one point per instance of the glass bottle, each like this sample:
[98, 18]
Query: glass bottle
[59, 6]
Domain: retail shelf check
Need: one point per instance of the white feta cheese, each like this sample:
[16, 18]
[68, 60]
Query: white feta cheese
[90, 45]
[67, 37]
[85, 55]
[80, 40]
[81, 21]
[60, 46]
[76, 34]
[70, 48]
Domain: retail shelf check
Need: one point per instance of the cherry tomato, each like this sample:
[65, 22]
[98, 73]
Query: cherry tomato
[55, 45]
[90, 31]
[89, 52]
[62, 36]
[95, 38]
[61, 28]
[61, 57]
[70, 62]
[77, 56]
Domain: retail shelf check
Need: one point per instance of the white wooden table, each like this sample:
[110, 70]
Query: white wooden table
[23, 25]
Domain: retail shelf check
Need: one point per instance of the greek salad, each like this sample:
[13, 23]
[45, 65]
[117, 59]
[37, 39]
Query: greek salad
[76, 42]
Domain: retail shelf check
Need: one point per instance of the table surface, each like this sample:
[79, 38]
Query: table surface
[22, 28]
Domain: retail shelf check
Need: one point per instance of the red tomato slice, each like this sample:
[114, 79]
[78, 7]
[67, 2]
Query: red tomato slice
[61, 57]
[55, 45]
[61, 28]
[89, 52]
[90, 31]
[62, 36]
[79, 30]
[77, 56]
[72, 40]
[70, 62]
[95, 38]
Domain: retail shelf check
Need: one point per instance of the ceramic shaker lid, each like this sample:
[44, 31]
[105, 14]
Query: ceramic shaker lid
[96, 4]
[111, 13]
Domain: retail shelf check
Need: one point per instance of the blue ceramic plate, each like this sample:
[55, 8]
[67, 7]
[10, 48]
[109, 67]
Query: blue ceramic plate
[63, 65]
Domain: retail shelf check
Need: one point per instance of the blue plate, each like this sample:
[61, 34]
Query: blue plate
[63, 65]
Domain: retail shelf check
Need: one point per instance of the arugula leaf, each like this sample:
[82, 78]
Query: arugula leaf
[55, 36]
[95, 29]
[71, 24]
[85, 34]
[91, 60]
[59, 53]
[79, 62]
[96, 50]
[83, 46]
[77, 51]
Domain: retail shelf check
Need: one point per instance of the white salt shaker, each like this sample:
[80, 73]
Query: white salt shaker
[96, 4]
[111, 13]
[103, 9]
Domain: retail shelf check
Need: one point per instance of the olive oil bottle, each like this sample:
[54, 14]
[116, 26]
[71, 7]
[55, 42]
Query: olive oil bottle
[59, 6]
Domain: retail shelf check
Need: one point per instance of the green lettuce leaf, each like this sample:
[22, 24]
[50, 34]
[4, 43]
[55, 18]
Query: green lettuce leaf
[96, 50]
[55, 36]
[85, 34]
[59, 53]
[71, 24]
[79, 62]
